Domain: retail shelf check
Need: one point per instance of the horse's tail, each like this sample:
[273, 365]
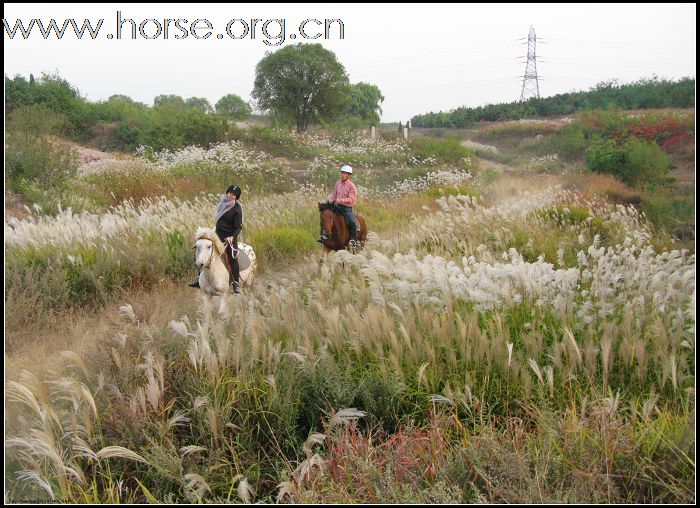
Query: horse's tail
[362, 233]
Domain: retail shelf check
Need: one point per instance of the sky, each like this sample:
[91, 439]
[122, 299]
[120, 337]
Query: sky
[423, 57]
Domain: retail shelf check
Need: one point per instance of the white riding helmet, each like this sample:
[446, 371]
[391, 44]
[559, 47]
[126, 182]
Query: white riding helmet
[346, 169]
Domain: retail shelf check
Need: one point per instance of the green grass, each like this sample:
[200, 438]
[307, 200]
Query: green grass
[444, 150]
[283, 244]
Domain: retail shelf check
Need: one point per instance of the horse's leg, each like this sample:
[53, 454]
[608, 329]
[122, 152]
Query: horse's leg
[223, 307]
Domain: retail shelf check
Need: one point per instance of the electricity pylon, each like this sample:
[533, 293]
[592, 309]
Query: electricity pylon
[531, 86]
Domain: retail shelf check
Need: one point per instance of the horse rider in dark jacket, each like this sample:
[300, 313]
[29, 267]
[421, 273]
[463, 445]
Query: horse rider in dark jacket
[229, 222]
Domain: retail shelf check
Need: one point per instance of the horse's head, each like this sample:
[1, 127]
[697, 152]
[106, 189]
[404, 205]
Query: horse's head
[206, 247]
[203, 252]
[327, 218]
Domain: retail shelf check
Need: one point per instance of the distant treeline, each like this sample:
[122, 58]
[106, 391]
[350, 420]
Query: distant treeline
[642, 94]
[51, 105]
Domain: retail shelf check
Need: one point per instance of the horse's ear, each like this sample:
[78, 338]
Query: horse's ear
[319, 205]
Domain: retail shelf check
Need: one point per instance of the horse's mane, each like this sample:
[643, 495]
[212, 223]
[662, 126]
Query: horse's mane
[210, 234]
[326, 206]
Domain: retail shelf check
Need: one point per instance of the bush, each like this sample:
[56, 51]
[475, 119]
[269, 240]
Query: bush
[675, 213]
[125, 137]
[635, 162]
[604, 123]
[666, 131]
[35, 159]
[570, 142]
[168, 128]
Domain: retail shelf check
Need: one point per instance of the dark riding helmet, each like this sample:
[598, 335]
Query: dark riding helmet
[234, 189]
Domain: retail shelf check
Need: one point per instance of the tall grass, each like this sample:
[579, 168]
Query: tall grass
[470, 373]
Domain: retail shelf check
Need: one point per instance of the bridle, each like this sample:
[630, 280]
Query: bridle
[329, 235]
[207, 265]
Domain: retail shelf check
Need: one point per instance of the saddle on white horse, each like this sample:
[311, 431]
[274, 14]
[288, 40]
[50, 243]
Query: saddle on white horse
[246, 262]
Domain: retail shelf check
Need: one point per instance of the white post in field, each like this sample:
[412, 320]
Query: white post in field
[405, 133]
[372, 132]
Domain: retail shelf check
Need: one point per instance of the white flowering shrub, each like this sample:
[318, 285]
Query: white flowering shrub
[356, 145]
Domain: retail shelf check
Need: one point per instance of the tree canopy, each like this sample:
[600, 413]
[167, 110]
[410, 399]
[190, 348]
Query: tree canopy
[233, 107]
[199, 103]
[364, 101]
[301, 84]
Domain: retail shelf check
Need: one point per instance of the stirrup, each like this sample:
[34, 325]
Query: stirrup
[195, 284]
[236, 288]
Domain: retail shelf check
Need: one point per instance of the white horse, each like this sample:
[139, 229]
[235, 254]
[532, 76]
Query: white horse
[208, 258]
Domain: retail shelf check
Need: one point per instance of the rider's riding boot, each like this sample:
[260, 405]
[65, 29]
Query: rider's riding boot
[195, 284]
[236, 288]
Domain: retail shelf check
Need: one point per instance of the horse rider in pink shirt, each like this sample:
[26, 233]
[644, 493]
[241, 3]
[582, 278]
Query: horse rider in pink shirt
[344, 196]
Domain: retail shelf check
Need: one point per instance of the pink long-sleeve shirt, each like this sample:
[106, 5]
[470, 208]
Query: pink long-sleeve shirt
[345, 192]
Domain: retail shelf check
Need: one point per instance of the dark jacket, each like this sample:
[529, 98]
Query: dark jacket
[230, 223]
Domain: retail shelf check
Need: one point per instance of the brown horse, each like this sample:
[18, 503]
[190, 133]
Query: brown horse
[336, 229]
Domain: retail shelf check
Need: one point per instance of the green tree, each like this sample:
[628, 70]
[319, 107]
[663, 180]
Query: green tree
[364, 101]
[233, 107]
[199, 103]
[117, 97]
[301, 84]
[51, 90]
[169, 101]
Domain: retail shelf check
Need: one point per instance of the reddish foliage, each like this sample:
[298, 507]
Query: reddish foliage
[408, 456]
[667, 132]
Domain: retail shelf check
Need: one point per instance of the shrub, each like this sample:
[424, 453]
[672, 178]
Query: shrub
[570, 142]
[125, 137]
[667, 132]
[674, 213]
[605, 123]
[169, 129]
[34, 159]
[635, 162]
